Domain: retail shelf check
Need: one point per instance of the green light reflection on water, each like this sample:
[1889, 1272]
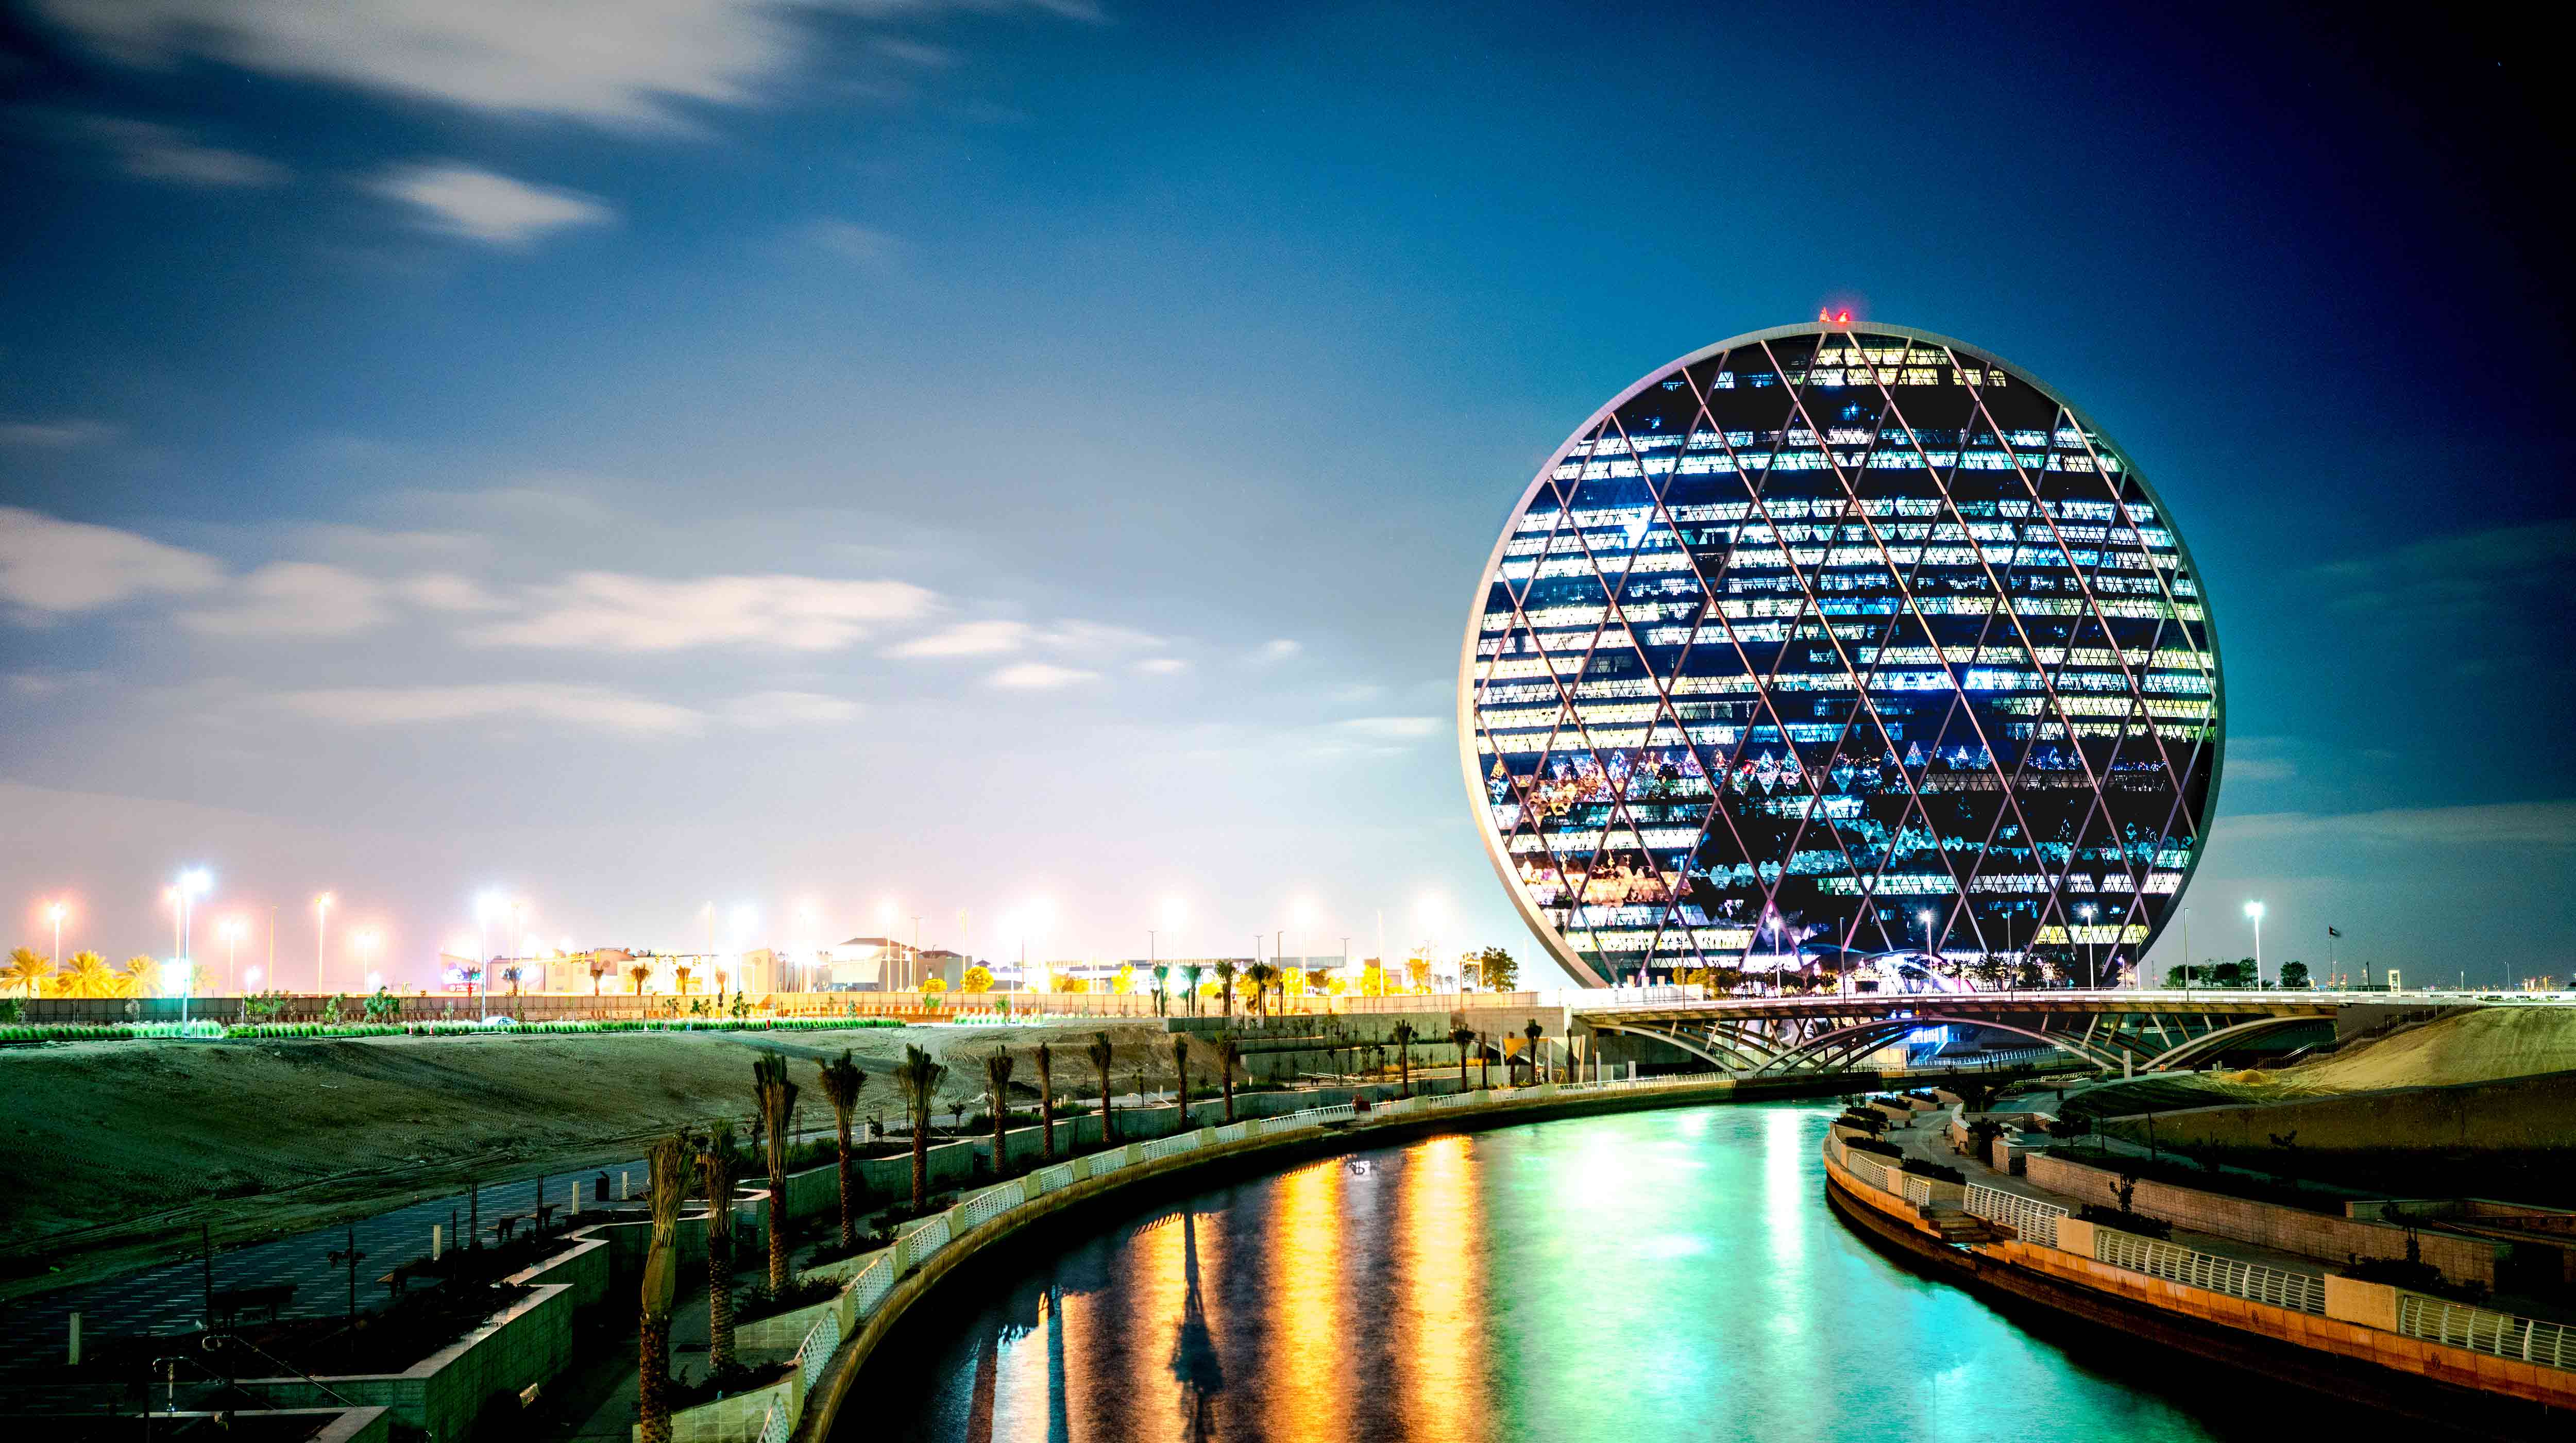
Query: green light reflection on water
[1647, 1275]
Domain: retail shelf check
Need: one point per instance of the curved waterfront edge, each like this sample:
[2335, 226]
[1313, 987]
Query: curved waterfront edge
[2449, 1409]
[1252, 1156]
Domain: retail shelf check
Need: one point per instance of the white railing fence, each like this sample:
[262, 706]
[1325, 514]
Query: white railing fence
[821, 1341]
[2505, 1335]
[2303, 1291]
[2030, 1219]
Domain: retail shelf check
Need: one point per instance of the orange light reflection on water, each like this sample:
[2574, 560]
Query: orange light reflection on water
[1440, 1287]
[1305, 1392]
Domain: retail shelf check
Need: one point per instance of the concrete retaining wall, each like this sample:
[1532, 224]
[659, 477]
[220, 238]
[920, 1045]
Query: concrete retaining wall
[2270, 1225]
[2515, 1114]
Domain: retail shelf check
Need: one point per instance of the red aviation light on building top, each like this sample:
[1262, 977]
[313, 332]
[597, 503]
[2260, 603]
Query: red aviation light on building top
[1828, 316]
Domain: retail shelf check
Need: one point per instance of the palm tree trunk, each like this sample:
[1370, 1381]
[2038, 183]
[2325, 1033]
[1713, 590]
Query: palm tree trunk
[1046, 1106]
[653, 1380]
[1108, 1130]
[849, 1230]
[1001, 1156]
[720, 1357]
[920, 1165]
[777, 1235]
[1229, 1094]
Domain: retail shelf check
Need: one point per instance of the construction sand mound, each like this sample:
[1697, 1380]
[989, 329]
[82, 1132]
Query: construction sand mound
[125, 1148]
[2480, 1046]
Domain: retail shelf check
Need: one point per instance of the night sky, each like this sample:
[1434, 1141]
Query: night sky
[1035, 460]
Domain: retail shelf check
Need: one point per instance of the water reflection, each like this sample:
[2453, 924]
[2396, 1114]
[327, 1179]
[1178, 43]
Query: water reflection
[1652, 1275]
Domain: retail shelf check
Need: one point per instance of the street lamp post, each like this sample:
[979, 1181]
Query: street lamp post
[2255, 911]
[192, 884]
[231, 930]
[56, 912]
[2086, 912]
[1925, 917]
[321, 936]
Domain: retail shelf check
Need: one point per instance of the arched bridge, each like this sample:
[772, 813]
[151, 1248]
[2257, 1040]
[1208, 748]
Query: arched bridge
[2121, 1031]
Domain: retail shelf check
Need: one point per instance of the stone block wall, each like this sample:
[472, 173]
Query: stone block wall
[2271, 1225]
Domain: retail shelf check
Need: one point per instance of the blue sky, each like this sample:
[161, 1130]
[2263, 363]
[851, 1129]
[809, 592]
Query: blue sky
[1034, 460]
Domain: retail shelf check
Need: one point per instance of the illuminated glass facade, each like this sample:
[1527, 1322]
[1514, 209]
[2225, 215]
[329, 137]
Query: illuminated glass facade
[1839, 639]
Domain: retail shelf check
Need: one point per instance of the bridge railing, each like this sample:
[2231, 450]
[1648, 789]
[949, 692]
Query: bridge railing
[2305, 1292]
[2028, 1217]
[2505, 1335]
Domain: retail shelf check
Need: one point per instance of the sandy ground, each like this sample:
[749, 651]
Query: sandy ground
[2480, 1046]
[122, 1149]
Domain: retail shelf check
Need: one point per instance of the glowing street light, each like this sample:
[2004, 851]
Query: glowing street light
[2255, 911]
[56, 912]
[2086, 912]
[193, 883]
[1925, 918]
[365, 941]
[230, 929]
[322, 906]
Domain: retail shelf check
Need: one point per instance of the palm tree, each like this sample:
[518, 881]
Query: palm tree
[680, 973]
[88, 975]
[1100, 1052]
[777, 1098]
[1534, 1032]
[140, 977]
[28, 969]
[997, 1076]
[1227, 1050]
[1046, 1104]
[842, 1081]
[598, 973]
[1263, 977]
[670, 1163]
[1162, 977]
[1485, 1065]
[1191, 975]
[1225, 981]
[916, 1081]
[639, 972]
[1181, 1076]
[1403, 1037]
[1462, 1038]
[716, 1167]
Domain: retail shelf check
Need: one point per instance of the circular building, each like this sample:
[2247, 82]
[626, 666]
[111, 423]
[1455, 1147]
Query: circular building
[1837, 642]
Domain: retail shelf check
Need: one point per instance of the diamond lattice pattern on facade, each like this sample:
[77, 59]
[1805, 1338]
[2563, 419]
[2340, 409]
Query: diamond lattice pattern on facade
[1836, 640]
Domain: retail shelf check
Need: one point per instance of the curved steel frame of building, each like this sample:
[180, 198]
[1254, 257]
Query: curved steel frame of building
[1651, 889]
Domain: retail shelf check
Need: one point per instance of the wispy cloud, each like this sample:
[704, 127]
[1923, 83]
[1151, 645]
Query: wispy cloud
[51, 568]
[850, 241]
[611, 611]
[165, 153]
[449, 592]
[294, 599]
[593, 708]
[56, 435]
[2519, 825]
[1040, 676]
[1394, 728]
[610, 62]
[2454, 579]
[463, 200]
[1272, 652]
[773, 710]
[1162, 666]
[968, 638]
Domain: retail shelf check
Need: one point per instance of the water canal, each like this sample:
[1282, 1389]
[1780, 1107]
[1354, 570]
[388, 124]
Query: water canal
[1641, 1276]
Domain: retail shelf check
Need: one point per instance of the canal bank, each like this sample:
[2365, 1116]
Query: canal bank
[2270, 1315]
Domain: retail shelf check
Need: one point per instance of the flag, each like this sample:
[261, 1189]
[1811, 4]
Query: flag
[2332, 932]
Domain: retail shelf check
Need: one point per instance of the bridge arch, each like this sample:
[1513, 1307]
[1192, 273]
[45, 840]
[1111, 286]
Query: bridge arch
[1862, 1034]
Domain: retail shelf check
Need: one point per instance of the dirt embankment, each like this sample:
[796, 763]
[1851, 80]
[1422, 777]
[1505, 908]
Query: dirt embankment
[2486, 1045]
[124, 1148]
